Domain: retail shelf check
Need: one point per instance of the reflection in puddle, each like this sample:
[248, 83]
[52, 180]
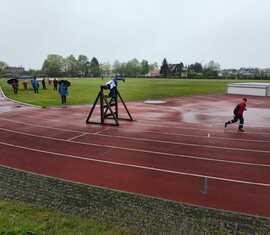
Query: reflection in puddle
[258, 117]
[190, 117]
[5, 109]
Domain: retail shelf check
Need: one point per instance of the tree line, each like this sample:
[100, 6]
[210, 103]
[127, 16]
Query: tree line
[195, 70]
[58, 66]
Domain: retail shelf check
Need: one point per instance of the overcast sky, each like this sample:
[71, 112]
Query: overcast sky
[234, 33]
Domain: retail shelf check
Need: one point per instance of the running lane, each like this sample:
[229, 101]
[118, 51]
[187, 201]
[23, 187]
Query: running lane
[257, 173]
[229, 195]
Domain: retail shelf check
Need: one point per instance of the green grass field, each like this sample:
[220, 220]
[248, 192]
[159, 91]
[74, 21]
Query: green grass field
[84, 91]
[21, 219]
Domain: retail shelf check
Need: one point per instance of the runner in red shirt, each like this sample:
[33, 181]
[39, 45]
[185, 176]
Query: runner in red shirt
[238, 114]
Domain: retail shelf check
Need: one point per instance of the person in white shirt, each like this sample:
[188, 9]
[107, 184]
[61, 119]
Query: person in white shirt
[112, 85]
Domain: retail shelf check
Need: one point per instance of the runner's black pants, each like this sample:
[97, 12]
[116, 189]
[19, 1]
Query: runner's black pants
[236, 118]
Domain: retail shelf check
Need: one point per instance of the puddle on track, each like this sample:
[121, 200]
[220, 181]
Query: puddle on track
[257, 117]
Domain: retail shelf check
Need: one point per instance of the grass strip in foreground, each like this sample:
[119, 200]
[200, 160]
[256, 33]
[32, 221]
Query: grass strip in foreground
[21, 219]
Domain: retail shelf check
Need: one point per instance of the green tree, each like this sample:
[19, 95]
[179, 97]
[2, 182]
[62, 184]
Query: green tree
[71, 66]
[119, 67]
[53, 65]
[213, 66]
[83, 64]
[144, 67]
[3, 66]
[197, 67]
[211, 69]
[132, 68]
[94, 67]
[164, 70]
[105, 69]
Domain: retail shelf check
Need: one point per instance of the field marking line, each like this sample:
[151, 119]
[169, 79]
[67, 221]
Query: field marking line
[48, 127]
[2, 94]
[99, 132]
[165, 133]
[187, 144]
[176, 123]
[182, 143]
[187, 128]
[141, 150]
[150, 120]
[56, 128]
[55, 155]
[77, 136]
[211, 137]
[16, 101]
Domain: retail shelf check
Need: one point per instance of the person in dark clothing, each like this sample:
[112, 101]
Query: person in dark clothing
[43, 84]
[35, 85]
[63, 91]
[55, 83]
[238, 115]
[15, 86]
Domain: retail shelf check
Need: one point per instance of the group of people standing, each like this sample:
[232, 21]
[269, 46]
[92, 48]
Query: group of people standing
[35, 84]
[61, 86]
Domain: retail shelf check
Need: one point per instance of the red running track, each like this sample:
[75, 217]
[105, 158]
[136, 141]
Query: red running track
[162, 154]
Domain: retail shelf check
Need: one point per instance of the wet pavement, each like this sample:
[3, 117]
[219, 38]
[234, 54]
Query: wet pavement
[210, 110]
[217, 112]
[204, 110]
[7, 105]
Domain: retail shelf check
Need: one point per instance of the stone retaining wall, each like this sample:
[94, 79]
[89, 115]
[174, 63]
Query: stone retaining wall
[136, 213]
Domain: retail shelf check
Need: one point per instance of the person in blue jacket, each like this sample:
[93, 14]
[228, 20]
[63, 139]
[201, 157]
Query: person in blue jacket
[63, 91]
[35, 85]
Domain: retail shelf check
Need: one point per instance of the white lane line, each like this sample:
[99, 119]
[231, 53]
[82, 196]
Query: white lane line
[36, 125]
[173, 125]
[162, 154]
[211, 136]
[56, 128]
[165, 133]
[182, 143]
[55, 155]
[99, 132]
[16, 101]
[77, 136]
[188, 144]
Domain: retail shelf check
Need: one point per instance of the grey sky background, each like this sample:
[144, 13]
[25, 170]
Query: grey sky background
[234, 33]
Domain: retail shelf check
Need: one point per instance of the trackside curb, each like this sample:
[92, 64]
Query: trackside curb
[18, 102]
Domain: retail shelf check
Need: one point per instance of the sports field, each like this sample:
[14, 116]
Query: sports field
[84, 91]
[179, 150]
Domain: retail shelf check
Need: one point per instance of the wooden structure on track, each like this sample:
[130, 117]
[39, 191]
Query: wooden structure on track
[108, 108]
